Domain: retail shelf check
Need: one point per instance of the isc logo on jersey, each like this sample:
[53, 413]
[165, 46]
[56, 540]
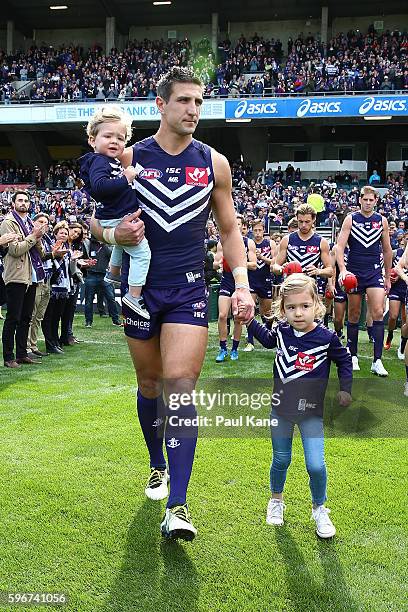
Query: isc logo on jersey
[197, 177]
[150, 174]
[305, 362]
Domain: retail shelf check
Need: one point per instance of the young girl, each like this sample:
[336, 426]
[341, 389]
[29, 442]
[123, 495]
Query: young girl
[305, 350]
[111, 186]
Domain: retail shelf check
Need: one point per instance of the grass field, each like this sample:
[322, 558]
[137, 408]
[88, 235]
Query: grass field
[74, 519]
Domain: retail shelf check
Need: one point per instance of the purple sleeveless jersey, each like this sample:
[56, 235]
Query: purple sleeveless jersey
[364, 258]
[227, 286]
[399, 289]
[260, 280]
[174, 192]
[305, 252]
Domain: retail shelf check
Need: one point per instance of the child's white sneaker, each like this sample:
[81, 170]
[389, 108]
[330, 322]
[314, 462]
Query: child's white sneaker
[324, 526]
[274, 512]
[136, 304]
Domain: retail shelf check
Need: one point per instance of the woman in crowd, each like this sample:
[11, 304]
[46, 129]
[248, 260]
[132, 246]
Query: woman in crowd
[61, 288]
[75, 239]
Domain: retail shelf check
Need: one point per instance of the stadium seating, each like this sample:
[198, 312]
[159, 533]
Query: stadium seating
[350, 62]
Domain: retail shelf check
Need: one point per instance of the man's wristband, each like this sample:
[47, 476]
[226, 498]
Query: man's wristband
[240, 274]
[109, 235]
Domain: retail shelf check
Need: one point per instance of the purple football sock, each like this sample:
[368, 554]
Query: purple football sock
[352, 337]
[250, 337]
[181, 440]
[235, 345]
[378, 335]
[151, 417]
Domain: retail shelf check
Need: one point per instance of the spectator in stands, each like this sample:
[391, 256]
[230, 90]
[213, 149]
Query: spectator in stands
[375, 178]
[100, 254]
[60, 281]
[42, 293]
[23, 269]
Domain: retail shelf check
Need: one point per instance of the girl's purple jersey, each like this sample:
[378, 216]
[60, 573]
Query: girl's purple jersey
[174, 194]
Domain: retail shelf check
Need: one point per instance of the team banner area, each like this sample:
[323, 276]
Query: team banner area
[248, 408]
[249, 108]
[140, 110]
[299, 108]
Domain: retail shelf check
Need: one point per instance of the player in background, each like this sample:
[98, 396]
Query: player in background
[260, 282]
[340, 296]
[400, 269]
[396, 302]
[226, 291]
[305, 246]
[365, 231]
[304, 353]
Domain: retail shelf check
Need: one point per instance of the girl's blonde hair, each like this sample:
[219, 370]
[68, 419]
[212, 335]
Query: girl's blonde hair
[107, 114]
[296, 283]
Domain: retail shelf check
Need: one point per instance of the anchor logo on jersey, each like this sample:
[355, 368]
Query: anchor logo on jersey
[305, 362]
[196, 176]
[173, 443]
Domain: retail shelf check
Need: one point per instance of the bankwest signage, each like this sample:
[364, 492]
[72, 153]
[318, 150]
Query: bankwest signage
[145, 110]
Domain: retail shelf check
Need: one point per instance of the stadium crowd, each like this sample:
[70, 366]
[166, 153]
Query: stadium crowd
[266, 193]
[349, 62]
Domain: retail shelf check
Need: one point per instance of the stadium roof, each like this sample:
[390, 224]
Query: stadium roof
[36, 14]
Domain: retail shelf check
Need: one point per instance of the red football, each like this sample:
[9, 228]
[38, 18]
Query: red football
[349, 282]
[291, 267]
[329, 295]
[393, 276]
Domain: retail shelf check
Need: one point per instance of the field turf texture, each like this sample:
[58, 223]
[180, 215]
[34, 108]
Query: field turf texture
[74, 518]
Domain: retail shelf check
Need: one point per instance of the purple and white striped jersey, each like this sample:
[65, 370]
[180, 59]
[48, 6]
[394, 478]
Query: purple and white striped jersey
[305, 252]
[174, 194]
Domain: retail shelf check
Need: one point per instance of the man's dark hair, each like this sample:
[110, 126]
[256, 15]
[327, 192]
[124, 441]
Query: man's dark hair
[19, 192]
[164, 86]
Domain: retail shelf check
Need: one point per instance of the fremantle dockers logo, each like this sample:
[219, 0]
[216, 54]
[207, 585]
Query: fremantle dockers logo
[305, 362]
[196, 176]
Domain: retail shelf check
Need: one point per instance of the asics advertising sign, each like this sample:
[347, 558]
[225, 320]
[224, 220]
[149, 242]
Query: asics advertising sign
[323, 108]
[308, 108]
[255, 108]
[381, 105]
